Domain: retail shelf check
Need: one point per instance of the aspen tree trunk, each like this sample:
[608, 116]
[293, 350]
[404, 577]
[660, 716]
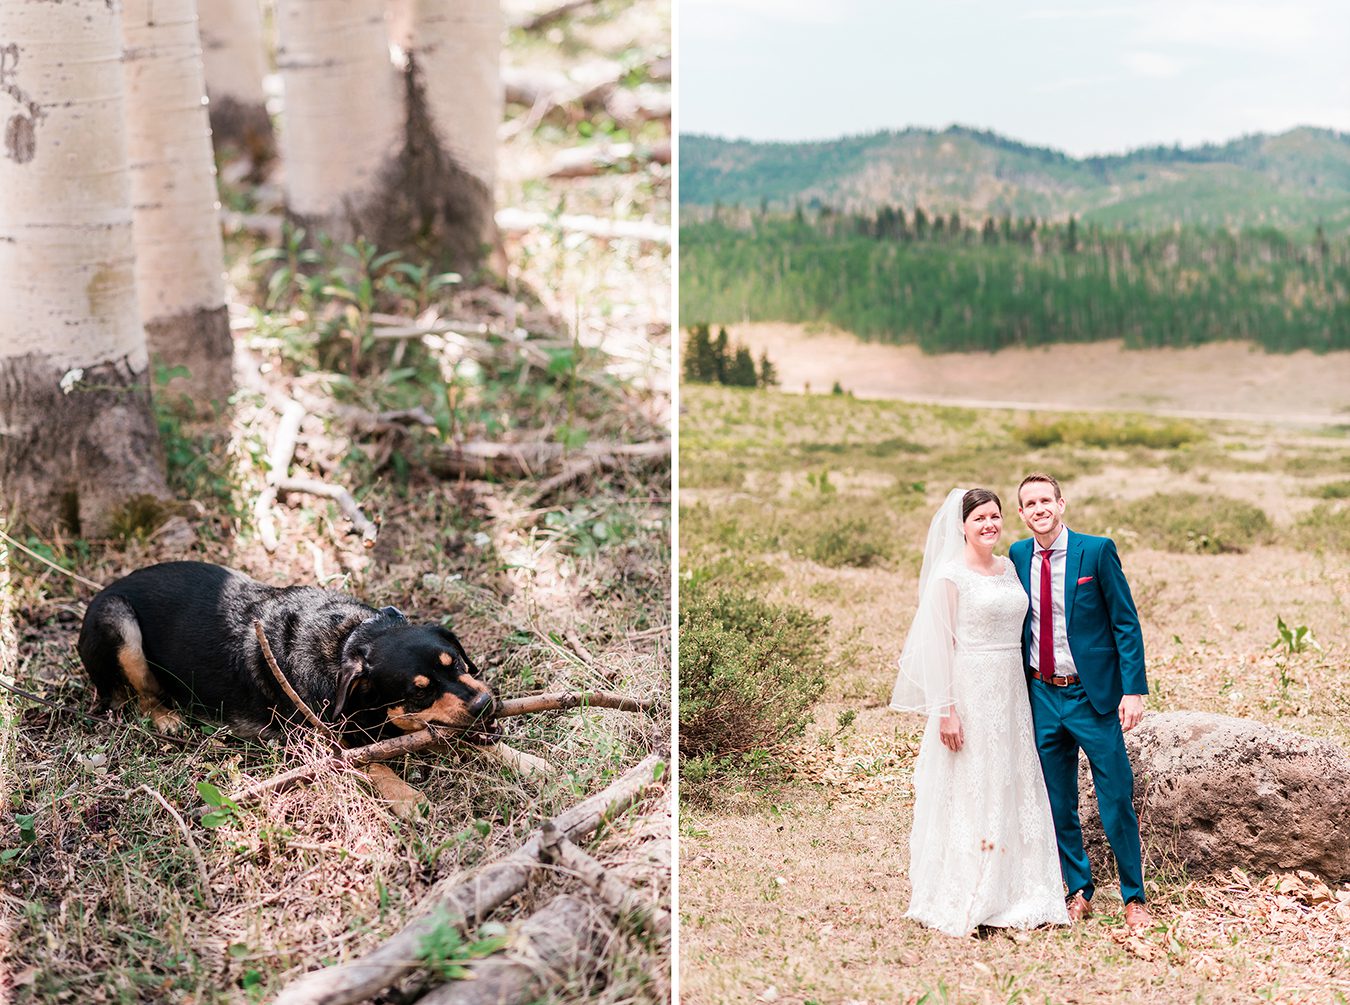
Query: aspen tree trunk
[235, 60]
[180, 256]
[453, 99]
[341, 113]
[78, 442]
[400, 153]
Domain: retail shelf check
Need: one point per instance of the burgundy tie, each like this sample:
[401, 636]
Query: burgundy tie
[1046, 662]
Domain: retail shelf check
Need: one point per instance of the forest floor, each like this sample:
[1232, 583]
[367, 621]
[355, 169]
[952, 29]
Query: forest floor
[793, 884]
[1219, 380]
[551, 587]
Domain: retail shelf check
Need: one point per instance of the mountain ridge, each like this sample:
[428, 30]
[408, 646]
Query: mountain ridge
[1295, 179]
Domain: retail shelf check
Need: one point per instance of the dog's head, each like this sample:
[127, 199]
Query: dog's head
[411, 677]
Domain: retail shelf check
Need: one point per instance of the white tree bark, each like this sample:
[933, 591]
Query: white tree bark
[180, 256]
[400, 156]
[342, 109]
[77, 439]
[235, 59]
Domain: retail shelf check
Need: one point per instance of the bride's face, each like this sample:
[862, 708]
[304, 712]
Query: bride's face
[984, 526]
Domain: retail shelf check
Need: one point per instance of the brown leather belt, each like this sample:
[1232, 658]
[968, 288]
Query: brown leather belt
[1058, 680]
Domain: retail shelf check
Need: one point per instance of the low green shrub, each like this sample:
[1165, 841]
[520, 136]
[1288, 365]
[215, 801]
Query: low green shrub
[749, 672]
[1325, 528]
[1108, 431]
[1188, 522]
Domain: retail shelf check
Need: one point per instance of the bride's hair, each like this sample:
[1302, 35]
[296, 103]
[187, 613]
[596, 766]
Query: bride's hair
[978, 497]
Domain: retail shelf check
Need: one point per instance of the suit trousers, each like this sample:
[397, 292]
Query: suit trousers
[1065, 722]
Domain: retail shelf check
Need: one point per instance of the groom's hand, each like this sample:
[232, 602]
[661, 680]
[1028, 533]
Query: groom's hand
[1131, 711]
[950, 732]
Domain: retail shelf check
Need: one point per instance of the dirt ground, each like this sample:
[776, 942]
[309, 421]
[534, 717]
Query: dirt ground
[1221, 380]
[796, 891]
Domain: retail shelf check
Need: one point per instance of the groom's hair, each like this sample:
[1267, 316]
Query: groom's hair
[1037, 476]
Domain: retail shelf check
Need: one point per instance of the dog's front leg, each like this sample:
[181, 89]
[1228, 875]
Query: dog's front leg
[402, 798]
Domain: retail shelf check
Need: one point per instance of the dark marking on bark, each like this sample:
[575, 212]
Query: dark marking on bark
[238, 127]
[423, 198]
[75, 460]
[21, 129]
[201, 343]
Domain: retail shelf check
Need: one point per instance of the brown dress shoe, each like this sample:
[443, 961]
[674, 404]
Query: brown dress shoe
[1080, 908]
[1137, 917]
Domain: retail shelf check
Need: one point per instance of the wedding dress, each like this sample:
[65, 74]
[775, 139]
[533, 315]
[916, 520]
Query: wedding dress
[982, 848]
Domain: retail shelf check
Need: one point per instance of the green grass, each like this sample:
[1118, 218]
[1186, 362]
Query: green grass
[1185, 522]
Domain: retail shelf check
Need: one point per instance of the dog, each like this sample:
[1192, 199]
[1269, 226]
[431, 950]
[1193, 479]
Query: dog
[180, 636]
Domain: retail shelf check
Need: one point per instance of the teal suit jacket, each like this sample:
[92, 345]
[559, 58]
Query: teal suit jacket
[1103, 626]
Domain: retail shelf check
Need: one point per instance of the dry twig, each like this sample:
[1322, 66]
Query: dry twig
[621, 898]
[207, 896]
[465, 901]
[291, 693]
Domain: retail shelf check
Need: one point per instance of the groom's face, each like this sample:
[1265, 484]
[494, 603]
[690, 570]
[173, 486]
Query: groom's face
[1040, 509]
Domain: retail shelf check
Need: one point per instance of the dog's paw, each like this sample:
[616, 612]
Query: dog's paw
[402, 798]
[167, 721]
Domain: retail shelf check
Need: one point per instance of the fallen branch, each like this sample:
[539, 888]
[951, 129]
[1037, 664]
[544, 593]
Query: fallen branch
[278, 464]
[618, 896]
[553, 944]
[368, 530]
[481, 459]
[208, 898]
[518, 221]
[588, 161]
[463, 902]
[544, 18]
[572, 699]
[435, 739]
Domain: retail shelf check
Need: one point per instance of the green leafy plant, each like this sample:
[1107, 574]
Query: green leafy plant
[446, 951]
[1294, 640]
[225, 810]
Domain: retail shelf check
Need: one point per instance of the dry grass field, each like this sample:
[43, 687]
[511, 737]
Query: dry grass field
[793, 878]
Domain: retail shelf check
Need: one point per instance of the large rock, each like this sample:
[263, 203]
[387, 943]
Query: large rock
[1213, 792]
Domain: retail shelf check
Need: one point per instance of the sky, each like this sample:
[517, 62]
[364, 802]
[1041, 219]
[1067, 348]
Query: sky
[1081, 76]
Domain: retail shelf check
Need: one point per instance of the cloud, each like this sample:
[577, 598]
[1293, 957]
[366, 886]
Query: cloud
[1233, 25]
[800, 11]
[1151, 64]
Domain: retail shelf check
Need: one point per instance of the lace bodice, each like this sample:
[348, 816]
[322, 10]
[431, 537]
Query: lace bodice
[990, 609]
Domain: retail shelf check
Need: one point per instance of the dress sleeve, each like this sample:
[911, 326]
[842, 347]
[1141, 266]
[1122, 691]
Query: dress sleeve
[924, 683]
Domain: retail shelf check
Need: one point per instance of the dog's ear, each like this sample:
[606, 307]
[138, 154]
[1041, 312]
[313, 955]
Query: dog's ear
[463, 654]
[352, 678]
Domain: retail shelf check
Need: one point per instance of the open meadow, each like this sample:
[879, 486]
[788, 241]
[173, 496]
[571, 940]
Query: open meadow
[794, 854]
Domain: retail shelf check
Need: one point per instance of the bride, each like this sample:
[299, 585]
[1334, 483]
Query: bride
[982, 849]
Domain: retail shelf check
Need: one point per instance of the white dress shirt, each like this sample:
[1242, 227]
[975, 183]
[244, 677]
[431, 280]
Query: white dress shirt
[1059, 555]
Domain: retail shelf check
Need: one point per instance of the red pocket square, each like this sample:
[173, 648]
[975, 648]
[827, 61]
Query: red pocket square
[1084, 579]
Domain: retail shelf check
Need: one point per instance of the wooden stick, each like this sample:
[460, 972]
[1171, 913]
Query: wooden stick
[278, 467]
[207, 896]
[369, 531]
[621, 898]
[433, 739]
[551, 945]
[519, 221]
[465, 901]
[572, 699]
[291, 693]
[480, 458]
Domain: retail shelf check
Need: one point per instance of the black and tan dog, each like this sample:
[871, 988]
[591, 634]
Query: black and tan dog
[180, 635]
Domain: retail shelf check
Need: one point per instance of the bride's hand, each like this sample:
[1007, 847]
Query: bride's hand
[949, 729]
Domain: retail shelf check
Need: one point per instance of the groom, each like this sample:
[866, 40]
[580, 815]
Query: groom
[1084, 651]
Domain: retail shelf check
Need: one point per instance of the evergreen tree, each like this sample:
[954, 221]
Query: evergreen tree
[768, 373]
[742, 372]
[721, 357]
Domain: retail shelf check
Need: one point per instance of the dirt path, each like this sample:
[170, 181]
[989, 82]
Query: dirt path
[1219, 381]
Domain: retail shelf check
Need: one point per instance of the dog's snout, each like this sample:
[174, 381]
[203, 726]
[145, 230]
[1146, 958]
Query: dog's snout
[482, 705]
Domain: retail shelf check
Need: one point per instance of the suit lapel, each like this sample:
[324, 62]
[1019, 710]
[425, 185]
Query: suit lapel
[1022, 565]
[1073, 561]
